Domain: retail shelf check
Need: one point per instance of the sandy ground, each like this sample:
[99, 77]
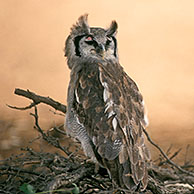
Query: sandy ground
[156, 47]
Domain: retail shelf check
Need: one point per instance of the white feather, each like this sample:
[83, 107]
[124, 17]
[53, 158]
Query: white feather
[106, 95]
[117, 142]
[76, 96]
[108, 105]
[114, 123]
[111, 114]
[146, 120]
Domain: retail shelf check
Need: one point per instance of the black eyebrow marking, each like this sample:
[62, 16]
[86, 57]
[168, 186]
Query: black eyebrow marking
[115, 43]
[76, 43]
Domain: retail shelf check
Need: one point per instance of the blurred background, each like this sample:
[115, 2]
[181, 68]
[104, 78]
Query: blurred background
[156, 48]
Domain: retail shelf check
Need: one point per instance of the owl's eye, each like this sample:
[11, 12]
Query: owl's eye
[89, 39]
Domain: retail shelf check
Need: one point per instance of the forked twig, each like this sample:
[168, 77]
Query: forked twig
[49, 139]
[37, 100]
[171, 157]
[165, 156]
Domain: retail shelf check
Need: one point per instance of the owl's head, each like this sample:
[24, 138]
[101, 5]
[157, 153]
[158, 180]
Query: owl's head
[88, 42]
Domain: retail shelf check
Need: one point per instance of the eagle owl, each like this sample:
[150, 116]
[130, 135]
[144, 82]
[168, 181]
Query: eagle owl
[105, 110]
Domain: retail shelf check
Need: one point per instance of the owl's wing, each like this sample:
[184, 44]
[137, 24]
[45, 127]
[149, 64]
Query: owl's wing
[110, 106]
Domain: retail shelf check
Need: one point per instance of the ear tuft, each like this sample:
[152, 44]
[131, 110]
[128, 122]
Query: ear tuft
[112, 30]
[81, 26]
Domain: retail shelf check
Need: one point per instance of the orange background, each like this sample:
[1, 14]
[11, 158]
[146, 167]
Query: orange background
[156, 48]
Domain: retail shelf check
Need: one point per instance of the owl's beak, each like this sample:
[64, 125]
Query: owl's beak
[100, 49]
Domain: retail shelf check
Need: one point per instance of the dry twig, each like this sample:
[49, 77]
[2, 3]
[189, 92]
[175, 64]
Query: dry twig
[165, 156]
[37, 100]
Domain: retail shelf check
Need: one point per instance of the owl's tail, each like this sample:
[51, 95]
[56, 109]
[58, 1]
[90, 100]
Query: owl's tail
[129, 173]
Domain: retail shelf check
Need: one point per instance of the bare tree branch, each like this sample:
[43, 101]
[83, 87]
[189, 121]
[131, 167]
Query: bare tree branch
[165, 156]
[171, 157]
[37, 100]
[22, 108]
[49, 139]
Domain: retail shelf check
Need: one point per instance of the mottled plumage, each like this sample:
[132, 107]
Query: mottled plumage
[105, 108]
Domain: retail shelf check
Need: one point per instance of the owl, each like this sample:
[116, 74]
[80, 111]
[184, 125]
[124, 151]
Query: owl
[105, 110]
